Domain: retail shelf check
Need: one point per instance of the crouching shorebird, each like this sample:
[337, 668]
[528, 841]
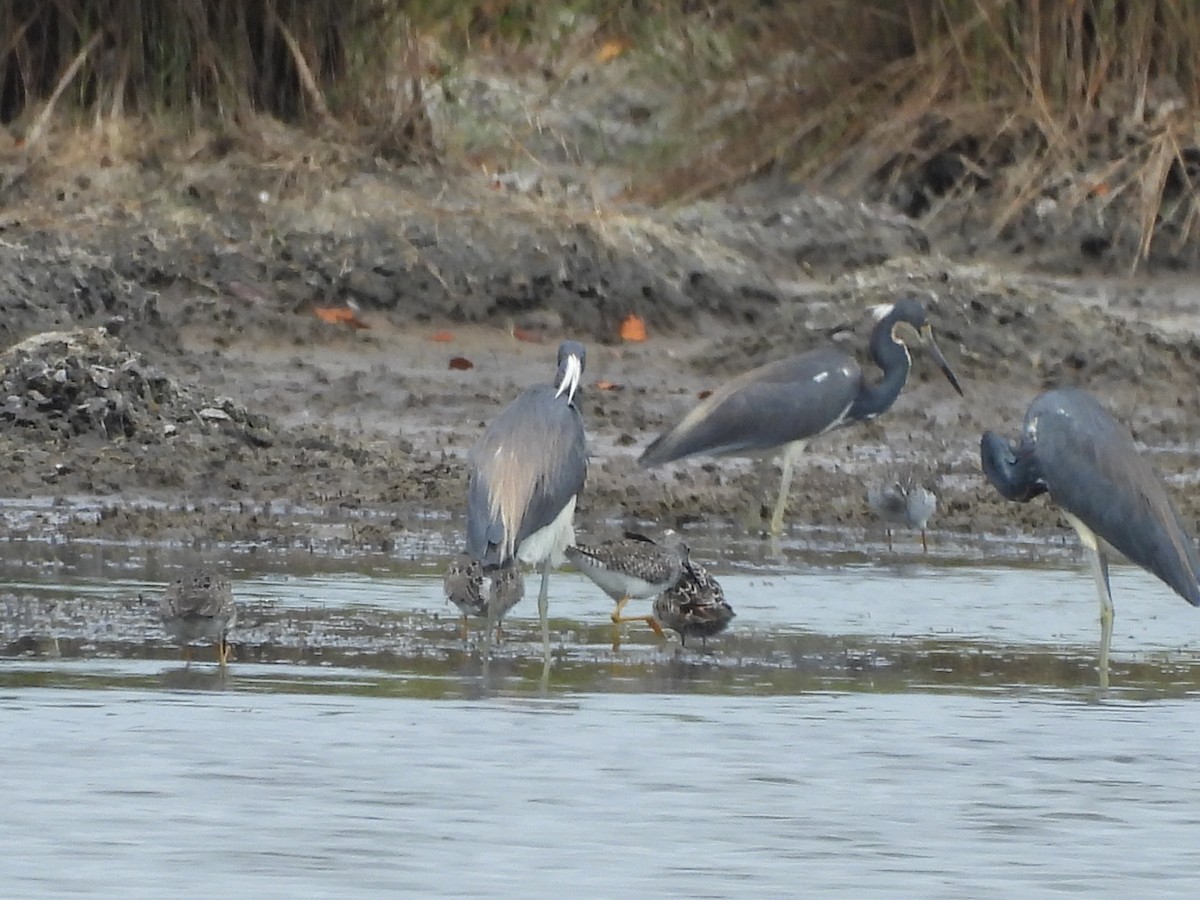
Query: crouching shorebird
[903, 500]
[695, 606]
[199, 605]
[526, 472]
[784, 403]
[1071, 447]
[463, 584]
[635, 568]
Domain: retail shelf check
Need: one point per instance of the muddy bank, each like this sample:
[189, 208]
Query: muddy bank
[215, 404]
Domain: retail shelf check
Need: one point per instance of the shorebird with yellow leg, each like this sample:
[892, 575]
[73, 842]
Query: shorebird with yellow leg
[634, 568]
[199, 605]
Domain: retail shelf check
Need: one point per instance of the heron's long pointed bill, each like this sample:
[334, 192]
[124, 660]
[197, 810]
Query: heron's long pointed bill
[936, 353]
[572, 373]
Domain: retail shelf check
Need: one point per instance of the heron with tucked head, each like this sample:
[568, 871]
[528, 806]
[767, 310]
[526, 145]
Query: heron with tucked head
[1073, 449]
[526, 472]
[785, 403]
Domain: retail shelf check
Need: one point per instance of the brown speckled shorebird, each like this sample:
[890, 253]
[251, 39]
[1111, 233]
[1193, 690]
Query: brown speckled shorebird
[695, 606]
[463, 584]
[199, 605]
[905, 499]
[633, 568]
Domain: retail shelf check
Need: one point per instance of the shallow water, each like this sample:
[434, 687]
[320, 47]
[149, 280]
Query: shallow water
[905, 727]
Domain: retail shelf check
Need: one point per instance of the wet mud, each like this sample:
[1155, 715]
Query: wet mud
[163, 360]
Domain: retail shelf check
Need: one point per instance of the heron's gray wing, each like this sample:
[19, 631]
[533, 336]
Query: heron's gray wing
[1095, 472]
[764, 408]
[529, 463]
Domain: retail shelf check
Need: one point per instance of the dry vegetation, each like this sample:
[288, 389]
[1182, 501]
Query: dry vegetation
[1001, 112]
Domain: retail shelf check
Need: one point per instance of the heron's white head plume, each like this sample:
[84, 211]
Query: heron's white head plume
[572, 373]
[881, 311]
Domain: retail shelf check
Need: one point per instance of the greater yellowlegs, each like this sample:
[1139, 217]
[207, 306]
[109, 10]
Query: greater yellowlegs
[199, 605]
[633, 568]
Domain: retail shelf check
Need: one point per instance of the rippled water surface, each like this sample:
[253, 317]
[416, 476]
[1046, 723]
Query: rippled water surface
[902, 727]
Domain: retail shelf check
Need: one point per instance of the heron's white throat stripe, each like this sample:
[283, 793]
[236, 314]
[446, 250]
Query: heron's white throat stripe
[571, 377]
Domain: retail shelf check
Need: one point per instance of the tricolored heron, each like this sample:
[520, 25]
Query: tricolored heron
[198, 605]
[785, 403]
[1071, 447]
[526, 471]
[904, 499]
[463, 585]
[695, 606]
[633, 568]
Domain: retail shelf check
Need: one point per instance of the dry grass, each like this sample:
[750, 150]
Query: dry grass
[1015, 109]
[344, 66]
[1020, 106]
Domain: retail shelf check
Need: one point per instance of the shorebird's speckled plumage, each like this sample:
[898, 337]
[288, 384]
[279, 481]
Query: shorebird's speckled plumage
[695, 606]
[633, 568]
[199, 605]
[463, 585]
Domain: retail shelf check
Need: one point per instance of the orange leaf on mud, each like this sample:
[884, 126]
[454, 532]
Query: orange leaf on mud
[529, 337]
[633, 328]
[609, 386]
[442, 337]
[339, 315]
[461, 363]
[611, 49]
[704, 395]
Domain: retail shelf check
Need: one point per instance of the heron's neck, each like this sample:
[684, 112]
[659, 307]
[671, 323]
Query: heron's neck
[1012, 472]
[893, 360]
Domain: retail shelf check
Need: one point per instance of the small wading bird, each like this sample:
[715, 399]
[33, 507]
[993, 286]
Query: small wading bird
[635, 568]
[903, 500]
[695, 606]
[1071, 447]
[784, 403]
[526, 472]
[198, 605]
[463, 584]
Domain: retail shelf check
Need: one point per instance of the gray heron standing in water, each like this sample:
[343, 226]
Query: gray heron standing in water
[785, 403]
[526, 471]
[1072, 448]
